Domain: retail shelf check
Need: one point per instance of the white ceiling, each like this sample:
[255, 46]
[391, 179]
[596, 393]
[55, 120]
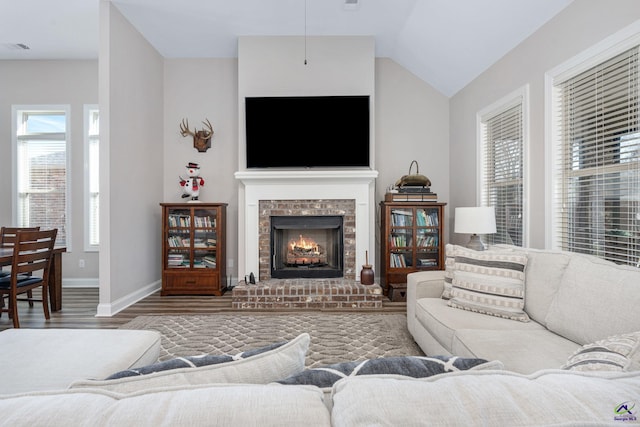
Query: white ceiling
[446, 43]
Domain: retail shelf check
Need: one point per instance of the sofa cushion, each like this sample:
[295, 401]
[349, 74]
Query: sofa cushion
[443, 321]
[46, 359]
[410, 366]
[616, 353]
[192, 362]
[542, 279]
[487, 398]
[222, 404]
[489, 282]
[523, 351]
[263, 368]
[596, 299]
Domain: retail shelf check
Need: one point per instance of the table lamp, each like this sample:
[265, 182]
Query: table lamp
[475, 221]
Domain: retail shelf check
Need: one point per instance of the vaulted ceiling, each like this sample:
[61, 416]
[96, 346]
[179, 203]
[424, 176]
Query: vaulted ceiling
[447, 43]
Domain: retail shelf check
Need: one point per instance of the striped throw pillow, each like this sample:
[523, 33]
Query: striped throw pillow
[489, 282]
[449, 266]
[616, 353]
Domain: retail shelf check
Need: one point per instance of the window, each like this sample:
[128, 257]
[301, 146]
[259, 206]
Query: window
[502, 144]
[597, 158]
[41, 168]
[91, 178]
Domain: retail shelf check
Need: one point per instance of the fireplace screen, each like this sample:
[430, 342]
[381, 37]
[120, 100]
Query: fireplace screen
[306, 246]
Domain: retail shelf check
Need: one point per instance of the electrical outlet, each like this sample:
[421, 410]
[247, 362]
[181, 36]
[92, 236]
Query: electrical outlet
[81, 263]
[229, 263]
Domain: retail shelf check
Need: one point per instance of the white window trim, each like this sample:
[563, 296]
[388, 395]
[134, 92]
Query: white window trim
[88, 247]
[519, 96]
[613, 45]
[14, 153]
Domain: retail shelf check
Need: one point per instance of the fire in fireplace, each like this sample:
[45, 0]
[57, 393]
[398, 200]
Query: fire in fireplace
[305, 251]
[306, 246]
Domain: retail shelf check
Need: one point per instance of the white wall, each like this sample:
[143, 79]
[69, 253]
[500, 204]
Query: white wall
[199, 89]
[578, 27]
[131, 107]
[412, 123]
[43, 83]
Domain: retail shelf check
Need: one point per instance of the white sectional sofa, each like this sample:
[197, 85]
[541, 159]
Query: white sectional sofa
[249, 391]
[568, 299]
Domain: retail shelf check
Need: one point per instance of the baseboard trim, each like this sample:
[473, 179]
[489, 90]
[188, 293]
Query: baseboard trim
[82, 282]
[110, 309]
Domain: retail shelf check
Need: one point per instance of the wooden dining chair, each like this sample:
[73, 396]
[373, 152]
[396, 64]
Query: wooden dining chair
[7, 239]
[29, 270]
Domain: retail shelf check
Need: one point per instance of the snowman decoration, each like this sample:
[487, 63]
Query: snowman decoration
[191, 185]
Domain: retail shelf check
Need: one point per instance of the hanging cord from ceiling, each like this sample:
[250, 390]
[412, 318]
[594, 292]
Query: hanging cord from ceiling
[305, 32]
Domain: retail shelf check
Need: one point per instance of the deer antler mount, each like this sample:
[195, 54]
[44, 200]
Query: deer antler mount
[201, 138]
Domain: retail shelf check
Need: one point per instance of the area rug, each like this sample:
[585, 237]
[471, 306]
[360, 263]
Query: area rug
[335, 337]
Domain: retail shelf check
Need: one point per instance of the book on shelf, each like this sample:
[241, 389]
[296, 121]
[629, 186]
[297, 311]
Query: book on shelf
[179, 220]
[427, 241]
[178, 241]
[397, 260]
[426, 219]
[428, 262]
[411, 197]
[174, 259]
[204, 221]
[401, 218]
[400, 240]
[209, 261]
[414, 189]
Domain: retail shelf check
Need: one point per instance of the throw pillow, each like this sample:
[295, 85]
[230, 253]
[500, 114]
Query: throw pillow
[615, 353]
[489, 282]
[261, 368]
[449, 266]
[192, 362]
[410, 366]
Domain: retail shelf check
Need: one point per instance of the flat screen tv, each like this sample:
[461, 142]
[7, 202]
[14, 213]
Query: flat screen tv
[307, 131]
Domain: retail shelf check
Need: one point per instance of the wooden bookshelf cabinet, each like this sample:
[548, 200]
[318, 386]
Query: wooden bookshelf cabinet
[193, 248]
[411, 240]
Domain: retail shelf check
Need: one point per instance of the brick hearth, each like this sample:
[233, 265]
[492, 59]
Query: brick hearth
[306, 293]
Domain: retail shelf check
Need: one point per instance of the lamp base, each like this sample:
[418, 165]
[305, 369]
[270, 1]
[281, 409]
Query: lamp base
[475, 243]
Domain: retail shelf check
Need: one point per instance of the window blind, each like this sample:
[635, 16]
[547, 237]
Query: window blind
[597, 206]
[42, 185]
[92, 175]
[502, 173]
[41, 171]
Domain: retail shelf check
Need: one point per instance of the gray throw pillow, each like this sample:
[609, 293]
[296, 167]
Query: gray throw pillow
[410, 366]
[192, 362]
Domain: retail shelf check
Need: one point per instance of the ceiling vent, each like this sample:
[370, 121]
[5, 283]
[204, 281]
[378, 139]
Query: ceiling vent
[351, 4]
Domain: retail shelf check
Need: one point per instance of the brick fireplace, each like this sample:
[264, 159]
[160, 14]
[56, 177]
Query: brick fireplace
[307, 208]
[349, 195]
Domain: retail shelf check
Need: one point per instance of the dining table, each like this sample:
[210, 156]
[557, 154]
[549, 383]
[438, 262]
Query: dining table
[55, 274]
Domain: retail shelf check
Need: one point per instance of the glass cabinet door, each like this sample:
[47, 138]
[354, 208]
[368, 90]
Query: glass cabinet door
[179, 238]
[205, 238]
[427, 237]
[401, 238]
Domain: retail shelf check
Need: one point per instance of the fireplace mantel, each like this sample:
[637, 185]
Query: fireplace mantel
[357, 185]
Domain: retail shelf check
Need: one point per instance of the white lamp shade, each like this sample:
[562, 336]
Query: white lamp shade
[475, 220]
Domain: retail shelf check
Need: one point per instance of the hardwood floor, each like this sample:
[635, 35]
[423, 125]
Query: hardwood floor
[79, 310]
